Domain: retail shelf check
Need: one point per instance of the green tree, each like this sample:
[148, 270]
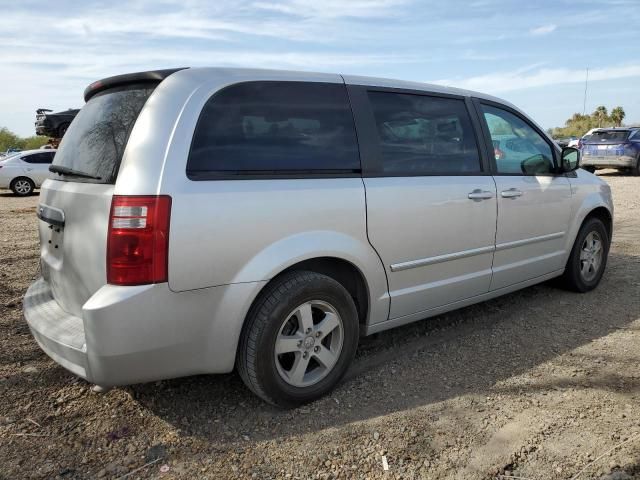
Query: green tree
[600, 114]
[617, 115]
[8, 139]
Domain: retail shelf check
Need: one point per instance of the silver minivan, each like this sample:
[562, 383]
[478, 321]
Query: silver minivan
[206, 219]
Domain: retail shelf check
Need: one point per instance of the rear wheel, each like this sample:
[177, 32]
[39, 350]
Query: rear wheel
[588, 258]
[299, 339]
[22, 186]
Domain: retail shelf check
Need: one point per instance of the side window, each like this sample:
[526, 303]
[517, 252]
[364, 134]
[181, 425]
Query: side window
[636, 136]
[45, 157]
[517, 147]
[275, 128]
[424, 135]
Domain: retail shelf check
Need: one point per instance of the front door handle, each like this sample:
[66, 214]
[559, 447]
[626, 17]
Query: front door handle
[478, 195]
[511, 193]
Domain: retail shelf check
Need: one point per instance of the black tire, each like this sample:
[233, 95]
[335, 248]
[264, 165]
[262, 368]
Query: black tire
[573, 279]
[22, 186]
[256, 359]
[62, 129]
[635, 171]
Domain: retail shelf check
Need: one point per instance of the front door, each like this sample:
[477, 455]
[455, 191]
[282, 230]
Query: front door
[533, 200]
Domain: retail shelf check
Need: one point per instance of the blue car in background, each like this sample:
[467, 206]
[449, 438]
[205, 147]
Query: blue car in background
[612, 148]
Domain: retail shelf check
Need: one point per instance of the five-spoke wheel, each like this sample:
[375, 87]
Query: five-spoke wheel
[299, 339]
[309, 343]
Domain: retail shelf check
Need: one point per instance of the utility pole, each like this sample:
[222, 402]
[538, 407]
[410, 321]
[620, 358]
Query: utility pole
[584, 103]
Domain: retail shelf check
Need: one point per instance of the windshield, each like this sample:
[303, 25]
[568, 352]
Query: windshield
[97, 137]
[607, 136]
[9, 156]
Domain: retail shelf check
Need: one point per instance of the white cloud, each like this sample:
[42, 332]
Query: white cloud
[332, 8]
[543, 29]
[535, 76]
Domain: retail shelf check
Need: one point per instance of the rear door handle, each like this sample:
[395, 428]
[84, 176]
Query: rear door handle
[511, 193]
[478, 195]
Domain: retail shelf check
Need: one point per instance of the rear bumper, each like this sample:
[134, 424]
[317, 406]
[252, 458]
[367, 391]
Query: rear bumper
[59, 334]
[622, 161]
[137, 334]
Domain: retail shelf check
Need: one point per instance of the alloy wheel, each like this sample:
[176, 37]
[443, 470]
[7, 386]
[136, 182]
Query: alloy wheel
[591, 255]
[309, 343]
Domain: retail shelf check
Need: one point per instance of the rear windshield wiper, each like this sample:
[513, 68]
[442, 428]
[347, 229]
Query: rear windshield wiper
[71, 172]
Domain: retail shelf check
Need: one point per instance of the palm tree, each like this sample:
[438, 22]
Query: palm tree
[600, 114]
[617, 115]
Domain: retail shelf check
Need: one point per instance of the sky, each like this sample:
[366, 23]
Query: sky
[534, 54]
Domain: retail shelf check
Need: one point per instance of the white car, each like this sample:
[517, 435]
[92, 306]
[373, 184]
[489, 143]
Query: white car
[25, 171]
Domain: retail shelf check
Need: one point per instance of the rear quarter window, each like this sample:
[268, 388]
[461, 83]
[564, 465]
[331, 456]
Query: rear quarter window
[275, 128]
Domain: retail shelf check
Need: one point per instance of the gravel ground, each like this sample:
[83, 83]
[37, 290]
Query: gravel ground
[537, 384]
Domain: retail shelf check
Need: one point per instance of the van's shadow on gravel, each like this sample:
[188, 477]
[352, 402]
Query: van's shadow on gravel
[463, 352]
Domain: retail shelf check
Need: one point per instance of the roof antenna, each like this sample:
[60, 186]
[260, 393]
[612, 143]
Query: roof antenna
[584, 103]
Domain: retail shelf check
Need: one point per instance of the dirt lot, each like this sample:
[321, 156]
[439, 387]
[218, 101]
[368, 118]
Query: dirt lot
[537, 384]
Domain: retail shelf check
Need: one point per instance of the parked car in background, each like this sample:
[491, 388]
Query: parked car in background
[23, 172]
[273, 217]
[10, 152]
[54, 124]
[565, 142]
[617, 148]
[577, 142]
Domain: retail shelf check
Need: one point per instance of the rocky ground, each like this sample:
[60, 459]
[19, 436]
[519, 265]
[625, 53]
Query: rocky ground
[540, 384]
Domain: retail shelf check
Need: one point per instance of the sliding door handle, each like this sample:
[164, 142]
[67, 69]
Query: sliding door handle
[478, 195]
[511, 193]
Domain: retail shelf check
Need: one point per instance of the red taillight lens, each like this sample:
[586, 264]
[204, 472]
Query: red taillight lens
[138, 240]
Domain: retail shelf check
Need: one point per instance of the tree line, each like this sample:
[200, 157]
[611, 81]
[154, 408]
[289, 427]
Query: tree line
[580, 124]
[8, 140]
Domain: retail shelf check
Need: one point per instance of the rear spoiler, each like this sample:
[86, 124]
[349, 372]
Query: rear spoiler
[152, 76]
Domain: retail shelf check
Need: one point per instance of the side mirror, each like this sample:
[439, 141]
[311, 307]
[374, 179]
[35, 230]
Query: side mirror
[569, 159]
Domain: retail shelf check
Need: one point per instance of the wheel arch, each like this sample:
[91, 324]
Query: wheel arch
[343, 272]
[604, 215]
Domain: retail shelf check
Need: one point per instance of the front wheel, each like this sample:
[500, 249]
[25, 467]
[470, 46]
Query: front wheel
[635, 171]
[588, 258]
[22, 186]
[299, 339]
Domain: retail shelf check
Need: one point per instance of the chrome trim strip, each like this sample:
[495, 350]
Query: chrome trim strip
[398, 267]
[527, 241]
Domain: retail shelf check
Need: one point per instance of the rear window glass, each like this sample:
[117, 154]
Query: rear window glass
[97, 137]
[607, 136]
[263, 128]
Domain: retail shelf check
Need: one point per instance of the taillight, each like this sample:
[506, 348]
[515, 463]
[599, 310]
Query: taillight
[138, 240]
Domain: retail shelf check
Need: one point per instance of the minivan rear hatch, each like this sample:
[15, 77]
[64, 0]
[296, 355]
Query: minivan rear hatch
[75, 205]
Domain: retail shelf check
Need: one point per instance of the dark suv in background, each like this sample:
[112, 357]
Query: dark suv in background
[54, 124]
[612, 148]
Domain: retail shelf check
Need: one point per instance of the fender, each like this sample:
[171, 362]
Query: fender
[288, 251]
[588, 193]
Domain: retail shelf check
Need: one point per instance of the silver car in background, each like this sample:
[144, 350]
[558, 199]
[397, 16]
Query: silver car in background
[207, 219]
[24, 171]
